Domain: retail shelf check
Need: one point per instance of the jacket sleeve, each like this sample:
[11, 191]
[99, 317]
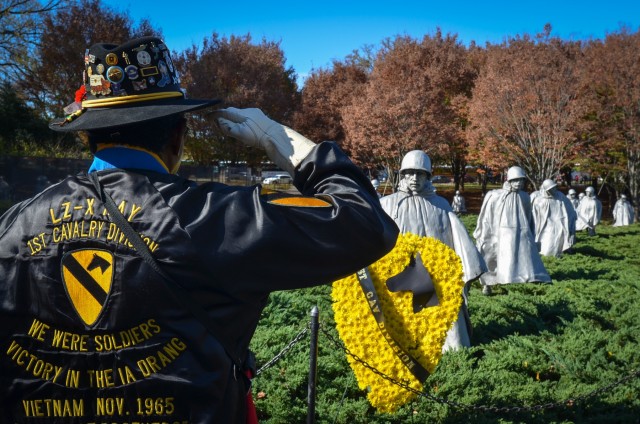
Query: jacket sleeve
[268, 245]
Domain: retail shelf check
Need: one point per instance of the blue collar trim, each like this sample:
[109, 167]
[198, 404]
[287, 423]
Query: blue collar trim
[125, 158]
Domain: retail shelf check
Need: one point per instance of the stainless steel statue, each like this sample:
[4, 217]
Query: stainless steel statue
[622, 212]
[458, 203]
[573, 198]
[416, 208]
[505, 235]
[554, 219]
[589, 212]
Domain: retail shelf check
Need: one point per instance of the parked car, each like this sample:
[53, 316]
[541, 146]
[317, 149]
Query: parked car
[278, 179]
[440, 179]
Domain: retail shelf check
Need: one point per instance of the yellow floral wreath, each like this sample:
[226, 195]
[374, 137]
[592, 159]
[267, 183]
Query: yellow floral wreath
[420, 334]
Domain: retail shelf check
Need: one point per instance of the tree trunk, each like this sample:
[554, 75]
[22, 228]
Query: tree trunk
[634, 179]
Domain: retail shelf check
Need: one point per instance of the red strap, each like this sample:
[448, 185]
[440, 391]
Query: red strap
[252, 414]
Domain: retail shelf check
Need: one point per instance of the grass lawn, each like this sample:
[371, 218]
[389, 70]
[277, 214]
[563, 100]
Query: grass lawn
[567, 352]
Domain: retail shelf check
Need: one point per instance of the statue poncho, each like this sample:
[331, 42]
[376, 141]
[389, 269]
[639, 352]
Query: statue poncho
[426, 214]
[622, 213]
[554, 220]
[589, 213]
[505, 238]
[458, 203]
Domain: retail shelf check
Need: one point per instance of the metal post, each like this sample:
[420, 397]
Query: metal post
[313, 367]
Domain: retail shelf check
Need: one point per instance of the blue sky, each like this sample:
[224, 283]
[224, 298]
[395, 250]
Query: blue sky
[313, 33]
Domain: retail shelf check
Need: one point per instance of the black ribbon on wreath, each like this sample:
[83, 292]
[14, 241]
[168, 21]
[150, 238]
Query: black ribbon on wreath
[415, 278]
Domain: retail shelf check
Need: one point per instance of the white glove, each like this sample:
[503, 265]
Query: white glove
[283, 145]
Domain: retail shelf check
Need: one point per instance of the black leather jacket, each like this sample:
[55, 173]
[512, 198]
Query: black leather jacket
[90, 333]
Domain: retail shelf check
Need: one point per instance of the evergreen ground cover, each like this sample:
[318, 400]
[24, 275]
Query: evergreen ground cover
[566, 352]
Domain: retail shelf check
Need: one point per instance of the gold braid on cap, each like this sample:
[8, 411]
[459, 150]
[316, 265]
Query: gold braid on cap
[134, 98]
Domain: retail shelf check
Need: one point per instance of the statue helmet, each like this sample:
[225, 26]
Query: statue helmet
[590, 189]
[375, 183]
[548, 184]
[571, 191]
[416, 159]
[457, 192]
[514, 173]
[623, 196]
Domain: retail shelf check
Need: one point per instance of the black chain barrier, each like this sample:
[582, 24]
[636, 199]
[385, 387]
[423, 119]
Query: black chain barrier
[482, 408]
[283, 352]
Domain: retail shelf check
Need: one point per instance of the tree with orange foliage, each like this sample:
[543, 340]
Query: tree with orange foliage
[412, 101]
[612, 80]
[325, 93]
[243, 74]
[525, 109]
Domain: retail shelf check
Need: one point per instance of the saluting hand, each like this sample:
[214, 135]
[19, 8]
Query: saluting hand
[284, 146]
